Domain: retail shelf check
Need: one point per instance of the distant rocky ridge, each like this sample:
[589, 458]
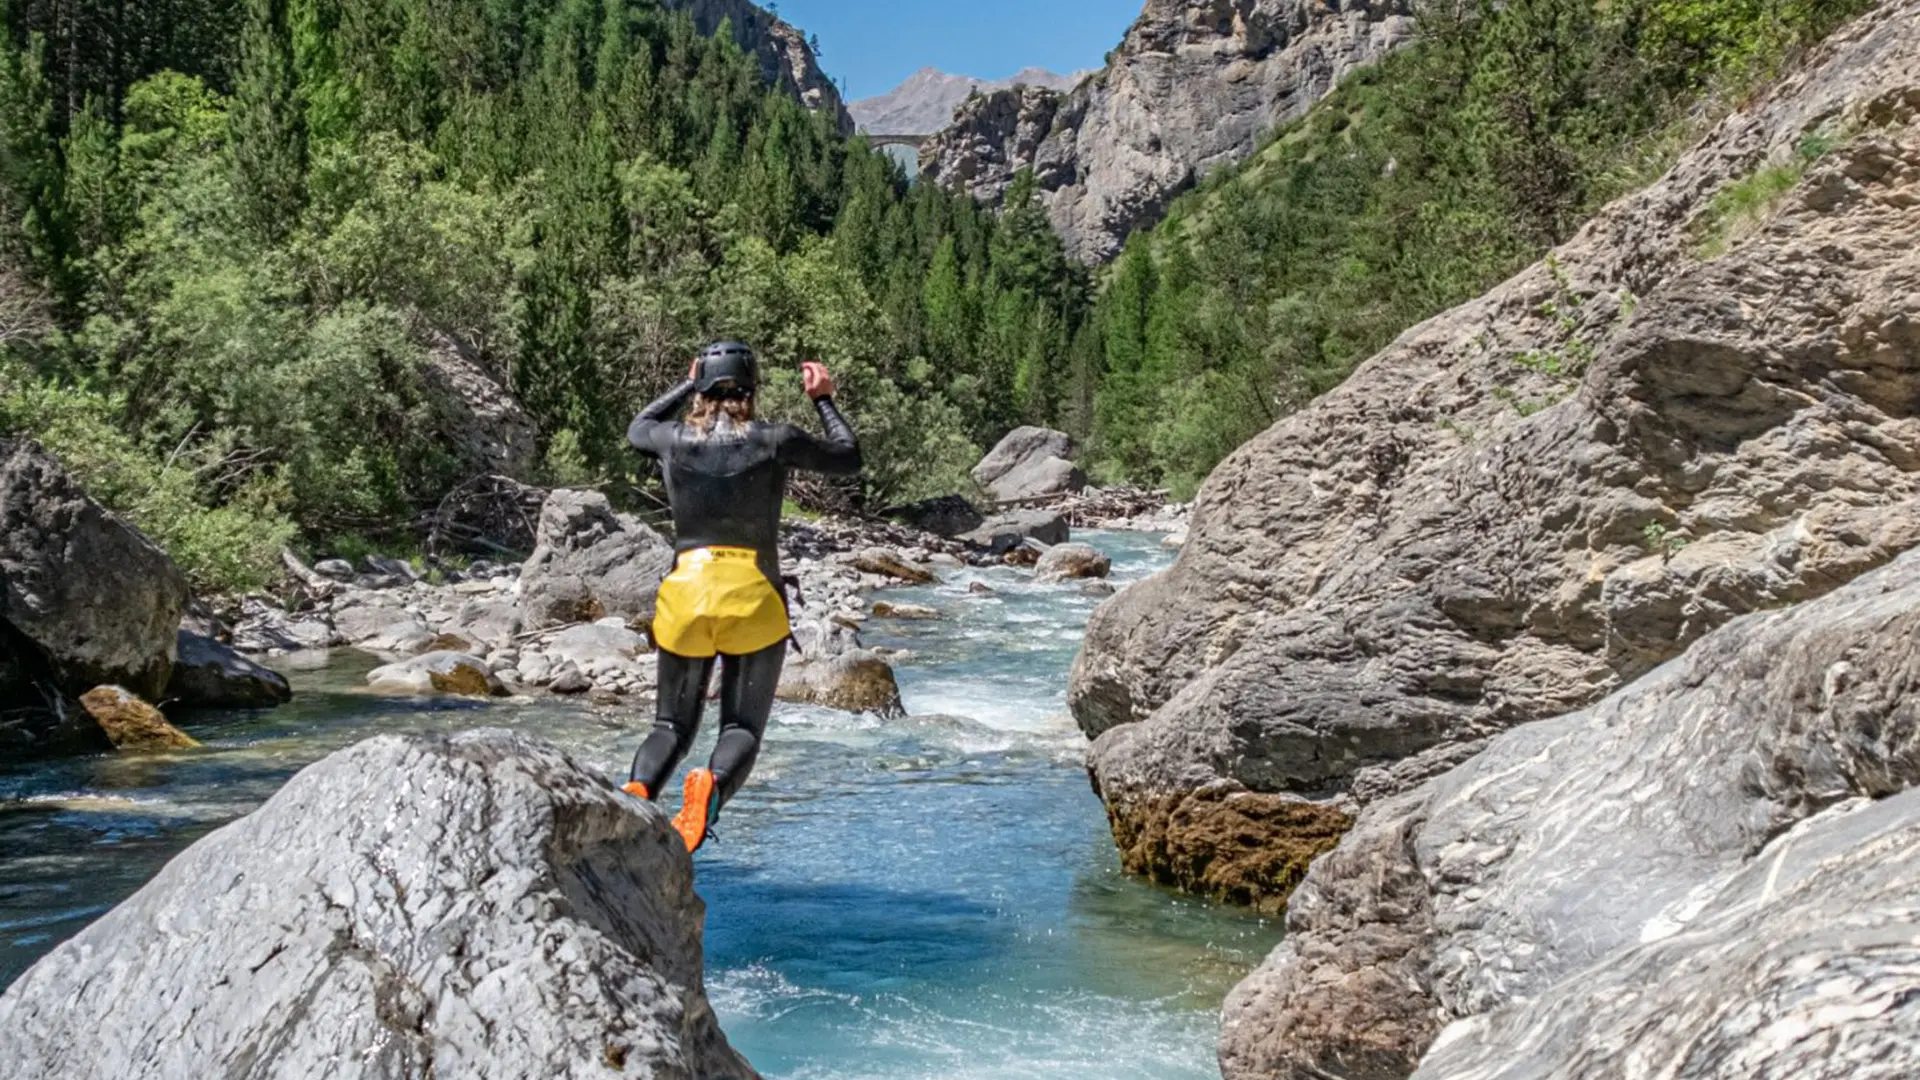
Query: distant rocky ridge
[925, 102]
[1530, 501]
[785, 55]
[1191, 88]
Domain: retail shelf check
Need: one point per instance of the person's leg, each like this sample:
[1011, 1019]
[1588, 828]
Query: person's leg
[747, 684]
[683, 683]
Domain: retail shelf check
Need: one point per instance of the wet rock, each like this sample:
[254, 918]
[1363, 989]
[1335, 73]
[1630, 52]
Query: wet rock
[884, 610]
[591, 563]
[980, 588]
[857, 681]
[1029, 463]
[437, 673]
[948, 515]
[1097, 588]
[1064, 562]
[1004, 532]
[1367, 593]
[480, 906]
[1612, 866]
[455, 643]
[91, 599]
[130, 723]
[884, 563]
[208, 675]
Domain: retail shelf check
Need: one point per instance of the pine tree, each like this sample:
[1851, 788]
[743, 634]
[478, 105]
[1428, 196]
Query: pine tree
[32, 185]
[269, 124]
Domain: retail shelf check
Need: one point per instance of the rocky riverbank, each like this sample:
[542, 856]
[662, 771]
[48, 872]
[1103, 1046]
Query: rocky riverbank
[571, 619]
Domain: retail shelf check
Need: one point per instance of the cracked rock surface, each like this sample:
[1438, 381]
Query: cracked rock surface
[476, 906]
[1680, 881]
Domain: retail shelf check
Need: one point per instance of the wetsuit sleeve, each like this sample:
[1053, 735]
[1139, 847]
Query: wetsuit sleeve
[837, 453]
[649, 431]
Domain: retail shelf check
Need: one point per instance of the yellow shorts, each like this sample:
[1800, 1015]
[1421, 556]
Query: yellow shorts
[717, 601]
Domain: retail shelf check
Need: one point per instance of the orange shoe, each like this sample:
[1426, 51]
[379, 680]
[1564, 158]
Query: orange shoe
[697, 809]
[636, 789]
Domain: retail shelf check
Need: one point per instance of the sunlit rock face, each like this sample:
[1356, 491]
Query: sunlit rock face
[1192, 87]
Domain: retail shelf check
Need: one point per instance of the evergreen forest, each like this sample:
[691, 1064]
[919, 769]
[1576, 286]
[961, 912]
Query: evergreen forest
[240, 240]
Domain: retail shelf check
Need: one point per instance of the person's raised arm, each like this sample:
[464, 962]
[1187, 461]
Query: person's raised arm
[839, 452]
[648, 430]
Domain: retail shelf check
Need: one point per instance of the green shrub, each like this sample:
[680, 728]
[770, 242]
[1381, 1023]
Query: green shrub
[230, 547]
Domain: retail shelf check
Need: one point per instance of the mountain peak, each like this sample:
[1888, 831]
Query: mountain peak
[924, 102]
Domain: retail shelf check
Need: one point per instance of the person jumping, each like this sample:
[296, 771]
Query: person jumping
[726, 480]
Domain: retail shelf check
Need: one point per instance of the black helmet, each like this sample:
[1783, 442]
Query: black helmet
[727, 364]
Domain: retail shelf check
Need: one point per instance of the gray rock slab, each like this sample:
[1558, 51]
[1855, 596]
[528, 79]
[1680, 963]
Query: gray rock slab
[1805, 964]
[98, 600]
[1568, 842]
[479, 906]
[208, 675]
[591, 563]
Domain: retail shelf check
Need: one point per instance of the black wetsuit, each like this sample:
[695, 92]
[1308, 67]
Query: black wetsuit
[726, 490]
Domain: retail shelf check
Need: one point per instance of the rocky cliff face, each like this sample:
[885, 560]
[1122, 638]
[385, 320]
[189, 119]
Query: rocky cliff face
[925, 102]
[1191, 87]
[1678, 876]
[785, 55]
[478, 906]
[1539, 496]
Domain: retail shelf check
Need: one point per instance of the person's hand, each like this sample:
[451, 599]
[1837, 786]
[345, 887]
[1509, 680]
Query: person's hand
[693, 370]
[818, 382]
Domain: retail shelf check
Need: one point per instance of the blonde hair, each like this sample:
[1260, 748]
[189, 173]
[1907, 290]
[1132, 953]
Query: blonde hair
[711, 415]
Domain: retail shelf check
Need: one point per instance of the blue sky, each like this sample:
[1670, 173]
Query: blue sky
[871, 45]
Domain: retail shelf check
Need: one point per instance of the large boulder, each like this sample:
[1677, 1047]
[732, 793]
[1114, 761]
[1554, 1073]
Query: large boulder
[479, 906]
[856, 681]
[1030, 463]
[133, 724]
[1535, 498]
[87, 600]
[590, 564]
[1063, 562]
[1611, 867]
[208, 675]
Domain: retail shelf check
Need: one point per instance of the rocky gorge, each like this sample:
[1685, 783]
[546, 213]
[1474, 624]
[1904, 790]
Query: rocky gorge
[1192, 87]
[1372, 673]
